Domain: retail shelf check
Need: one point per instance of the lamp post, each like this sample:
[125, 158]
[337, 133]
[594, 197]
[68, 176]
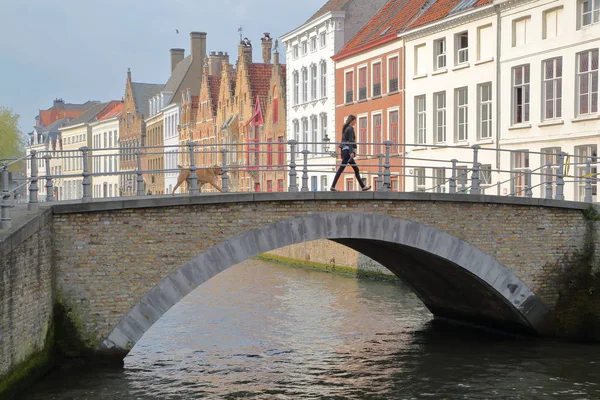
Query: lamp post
[326, 142]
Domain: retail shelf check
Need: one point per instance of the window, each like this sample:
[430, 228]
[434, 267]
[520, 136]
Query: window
[420, 120]
[349, 87]
[280, 152]
[440, 53]
[552, 23]
[485, 174]
[295, 51]
[269, 186]
[520, 162]
[394, 187]
[376, 91]
[280, 185]
[323, 79]
[393, 130]
[304, 48]
[520, 94]
[420, 63]
[323, 39]
[377, 135]
[462, 114]
[590, 12]
[393, 74]
[420, 180]
[313, 81]
[587, 82]
[313, 43]
[439, 180]
[484, 94]
[439, 102]
[296, 88]
[304, 85]
[269, 153]
[314, 183]
[362, 131]
[314, 133]
[275, 110]
[552, 88]
[323, 182]
[362, 83]
[549, 167]
[583, 154]
[296, 124]
[520, 28]
[304, 135]
[485, 36]
[462, 47]
[323, 125]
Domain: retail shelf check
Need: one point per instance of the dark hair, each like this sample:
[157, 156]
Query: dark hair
[350, 118]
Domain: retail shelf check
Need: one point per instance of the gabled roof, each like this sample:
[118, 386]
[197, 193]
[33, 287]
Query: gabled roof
[260, 80]
[331, 5]
[114, 112]
[63, 110]
[142, 92]
[439, 9]
[178, 75]
[392, 19]
[53, 127]
[88, 116]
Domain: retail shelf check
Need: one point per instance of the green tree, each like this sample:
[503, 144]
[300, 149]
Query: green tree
[12, 144]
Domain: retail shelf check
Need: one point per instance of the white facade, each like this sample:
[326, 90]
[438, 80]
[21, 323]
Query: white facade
[549, 99]
[171, 115]
[73, 138]
[310, 114]
[451, 86]
[105, 158]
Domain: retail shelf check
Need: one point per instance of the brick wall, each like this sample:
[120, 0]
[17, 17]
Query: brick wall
[107, 260]
[26, 300]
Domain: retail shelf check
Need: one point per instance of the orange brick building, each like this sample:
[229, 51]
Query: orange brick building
[370, 85]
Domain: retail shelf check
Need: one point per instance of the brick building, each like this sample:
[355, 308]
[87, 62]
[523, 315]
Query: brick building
[370, 85]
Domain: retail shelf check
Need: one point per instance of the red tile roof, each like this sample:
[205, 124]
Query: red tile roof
[260, 80]
[112, 110]
[392, 19]
[331, 5]
[214, 84]
[441, 9]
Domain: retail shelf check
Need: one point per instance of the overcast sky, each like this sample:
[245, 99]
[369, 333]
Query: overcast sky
[80, 50]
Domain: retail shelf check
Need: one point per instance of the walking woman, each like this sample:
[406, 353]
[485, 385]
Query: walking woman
[348, 146]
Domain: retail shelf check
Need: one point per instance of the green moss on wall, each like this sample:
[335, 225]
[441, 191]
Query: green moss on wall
[338, 269]
[28, 371]
[72, 339]
[578, 306]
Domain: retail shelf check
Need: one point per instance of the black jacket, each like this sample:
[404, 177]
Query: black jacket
[349, 138]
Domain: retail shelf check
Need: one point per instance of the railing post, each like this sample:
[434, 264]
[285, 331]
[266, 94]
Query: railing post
[293, 187]
[452, 184]
[475, 173]
[49, 184]
[304, 188]
[560, 177]
[193, 178]
[528, 192]
[588, 181]
[87, 196]
[33, 187]
[140, 178]
[387, 183]
[224, 177]
[380, 173]
[5, 220]
[549, 181]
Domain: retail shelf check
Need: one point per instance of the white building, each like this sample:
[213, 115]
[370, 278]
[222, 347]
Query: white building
[451, 89]
[171, 115]
[549, 99]
[310, 81]
[105, 154]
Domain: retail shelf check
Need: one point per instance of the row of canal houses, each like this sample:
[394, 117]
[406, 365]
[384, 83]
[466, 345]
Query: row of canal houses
[426, 74]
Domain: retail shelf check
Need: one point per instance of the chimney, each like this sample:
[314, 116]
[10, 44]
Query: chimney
[177, 56]
[59, 102]
[128, 75]
[276, 56]
[245, 50]
[267, 43]
[214, 63]
[198, 46]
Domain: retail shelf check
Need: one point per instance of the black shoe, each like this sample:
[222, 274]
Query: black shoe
[333, 189]
[366, 188]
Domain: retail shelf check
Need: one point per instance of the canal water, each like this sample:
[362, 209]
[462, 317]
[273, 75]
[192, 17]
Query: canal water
[267, 331]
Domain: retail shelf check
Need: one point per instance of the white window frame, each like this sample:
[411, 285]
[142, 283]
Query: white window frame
[366, 94]
[296, 126]
[593, 12]
[314, 133]
[359, 139]
[314, 72]
[484, 109]
[323, 78]
[377, 148]
[440, 54]
[389, 60]
[584, 153]
[521, 91]
[313, 44]
[557, 21]
[346, 73]
[304, 45]
[439, 180]
[589, 75]
[304, 85]
[462, 53]
[421, 119]
[420, 179]
[373, 64]
[526, 20]
[520, 161]
[305, 129]
[323, 39]
[323, 118]
[552, 86]
[462, 114]
[440, 116]
[296, 83]
[295, 52]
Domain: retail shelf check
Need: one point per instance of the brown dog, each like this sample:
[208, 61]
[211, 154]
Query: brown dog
[207, 175]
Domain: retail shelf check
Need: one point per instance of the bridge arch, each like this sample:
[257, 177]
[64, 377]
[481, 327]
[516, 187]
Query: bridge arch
[453, 278]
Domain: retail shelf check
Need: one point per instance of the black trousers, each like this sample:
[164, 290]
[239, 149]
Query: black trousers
[347, 160]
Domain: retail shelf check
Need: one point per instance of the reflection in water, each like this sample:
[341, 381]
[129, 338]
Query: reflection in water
[267, 331]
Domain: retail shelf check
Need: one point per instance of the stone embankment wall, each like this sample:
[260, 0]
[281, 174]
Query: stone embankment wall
[26, 302]
[331, 256]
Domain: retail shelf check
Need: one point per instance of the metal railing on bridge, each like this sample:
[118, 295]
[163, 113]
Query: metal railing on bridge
[87, 174]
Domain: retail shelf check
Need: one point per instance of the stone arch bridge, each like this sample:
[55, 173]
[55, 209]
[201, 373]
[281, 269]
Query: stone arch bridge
[121, 264]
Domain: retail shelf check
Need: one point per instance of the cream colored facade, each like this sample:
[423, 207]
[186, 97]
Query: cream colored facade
[104, 158]
[451, 103]
[549, 101]
[73, 138]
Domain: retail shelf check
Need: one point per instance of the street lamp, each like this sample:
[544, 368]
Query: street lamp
[326, 142]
